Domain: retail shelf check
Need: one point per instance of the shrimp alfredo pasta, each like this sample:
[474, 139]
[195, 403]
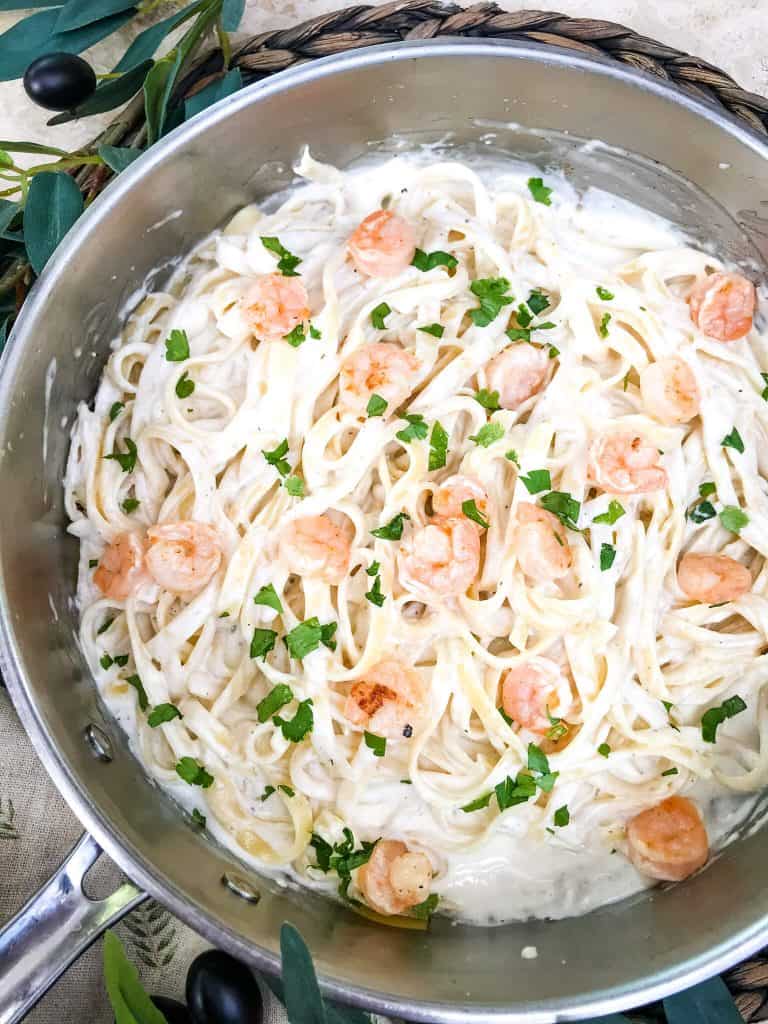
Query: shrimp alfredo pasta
[423, 523]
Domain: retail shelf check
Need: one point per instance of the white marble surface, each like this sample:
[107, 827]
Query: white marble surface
[728, 33]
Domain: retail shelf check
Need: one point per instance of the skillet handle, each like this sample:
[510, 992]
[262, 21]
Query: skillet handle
[51, 931]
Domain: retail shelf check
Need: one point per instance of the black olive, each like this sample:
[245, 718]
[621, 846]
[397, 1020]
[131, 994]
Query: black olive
[222, 990]
[173, 1011]
[59, 81]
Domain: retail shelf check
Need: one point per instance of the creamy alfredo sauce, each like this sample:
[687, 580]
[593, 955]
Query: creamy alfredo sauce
[623, 636]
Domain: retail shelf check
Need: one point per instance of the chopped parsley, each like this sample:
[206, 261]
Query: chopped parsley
[539, 191]
[373, 569]
[565, 507]
[504, 715]
[121, 660]
[554, 352]
[342, 858]
[488, 435]
[511, 791]
[607, 556]
[374, 595]
[92, 563]
[198, 819]
[614, 513]
[493, 295]
[557, 727]
[295, 729]
[262, 642]
[429, 260]
[104, 626]
[416, 430]
[141, 693]
[733, 518]
[436, 330]
[377, 405]
[604, 750]
[393, 530]
[268, 597]
[669, 771]
[513, 457]
[764, 392]
[471, 511]
[287, 262]
[276, 458]
[268, 791]
[105, 661]
[604, 294]
[733, 440]
[706, 489]
[277, 698]
[702, 512]
[287, 790]
[524, 317]
[193, 773]
[184, 386]
[295, 486]
[314, 332]
[307, 637]
[296, 337]
[716, 716]
[130, 505]
[518, 333]
[126, 459]
[562, 816]
[537, 480]
[378, 744]
[438, 446]
[488, 399]
[537, 762]
[163, 713]
[537, 302]
[424, 910]
[378, 314]
[177, 346]
[477, 804]
[114, 410]
[603, 328]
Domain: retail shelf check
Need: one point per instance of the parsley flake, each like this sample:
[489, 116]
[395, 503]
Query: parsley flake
[262, 642]
[604, 750]
[424, 910]
[378, 314]
[702, 512]
[105, 661]
[126, 459]
[177, 346]
[416, 430]
[296, 337]
[478, 804]
[537, 302]
[537, 480]
[733, 440]
[565, 507]
[524, 317]
[130, 505]
[193, 773]
[373, 569]
[562, 816]
[198, 819]
[706, 489]
[493, 295]
[733, 518]
[488, 399]
[518, 334]
[276, 458]
[377, 405]
[393, 530]
[513, 457]
[604, 294]
[295, 729]
[374, 595]
[287, 262]
[471, 511]
[307, 637]
[716, 716]
[268, 597]
[114, 410]
[436, 330]
[669, 771]
[438, 446]
[429, 260]
[295, 486]
[163, 713]
[378, 744]
[277, 698]
[141, 693]
[604, 321]
[539, 191]
[614, 513]
[488, 435]
[607, 556]
[184, 386]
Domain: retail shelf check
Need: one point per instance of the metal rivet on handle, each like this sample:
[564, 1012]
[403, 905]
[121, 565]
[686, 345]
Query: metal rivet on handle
[240, 887]
[99, 742]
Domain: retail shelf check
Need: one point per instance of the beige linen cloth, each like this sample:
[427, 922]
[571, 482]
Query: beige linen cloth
[36, 827]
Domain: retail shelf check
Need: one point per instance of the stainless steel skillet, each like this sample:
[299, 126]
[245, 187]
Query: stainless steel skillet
[691, 162]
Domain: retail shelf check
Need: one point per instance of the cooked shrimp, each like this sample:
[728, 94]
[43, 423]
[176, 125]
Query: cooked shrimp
[712, 579]
[669, 390]
[625, 464]
[315, 546]
[443, 556]
[393, 880]
[540, 544]
[380, 368]
[182, 557]
[668, 841]
[530, 690]
[121, 568]
[517, 373]
[389, 698]
[723, 305]
[382, 245]
[274, 305]
[453, 492]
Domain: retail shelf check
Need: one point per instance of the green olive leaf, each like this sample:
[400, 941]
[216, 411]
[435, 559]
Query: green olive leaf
[146, 43]
[118, 157]
[301, 991]
[31, 147]
[130, 1002]
[8, 211]
[110, 94]
[231, 14]
[53, 205]
[213, 92]
[17, 5]
[36, 35]
[77, 13]
[707, 1003]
